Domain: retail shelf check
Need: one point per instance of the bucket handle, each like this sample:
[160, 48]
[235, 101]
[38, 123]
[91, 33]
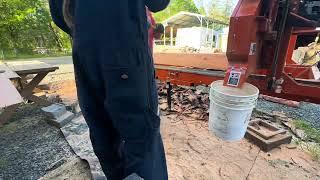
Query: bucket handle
[256, 102]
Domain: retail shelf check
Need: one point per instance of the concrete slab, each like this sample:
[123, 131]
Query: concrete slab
[264, 129]
[267, 136]
[62, 120]
[76, 133]
[56, 110]
[59, 115]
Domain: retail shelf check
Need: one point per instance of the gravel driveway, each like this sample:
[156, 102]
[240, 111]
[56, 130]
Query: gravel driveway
[29, 146]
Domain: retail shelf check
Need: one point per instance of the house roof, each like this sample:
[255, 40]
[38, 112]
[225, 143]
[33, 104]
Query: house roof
[187, 19]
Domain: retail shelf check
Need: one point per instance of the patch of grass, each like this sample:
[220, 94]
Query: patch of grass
[314, 150]
[2, 163]
[9, 128]
[297, 141]
[312, 134]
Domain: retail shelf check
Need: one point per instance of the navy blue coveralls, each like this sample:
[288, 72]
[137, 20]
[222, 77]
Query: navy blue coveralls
[116, 87]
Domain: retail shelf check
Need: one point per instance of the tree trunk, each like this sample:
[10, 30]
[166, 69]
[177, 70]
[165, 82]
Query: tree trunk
[56, 37]
[12, 37]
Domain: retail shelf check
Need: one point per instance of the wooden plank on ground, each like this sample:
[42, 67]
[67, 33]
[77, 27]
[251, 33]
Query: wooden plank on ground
[6, 72]
[198, 61]
[8, 93]
[30, 67]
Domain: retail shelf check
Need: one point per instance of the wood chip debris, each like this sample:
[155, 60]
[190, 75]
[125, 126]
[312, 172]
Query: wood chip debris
[187, 101]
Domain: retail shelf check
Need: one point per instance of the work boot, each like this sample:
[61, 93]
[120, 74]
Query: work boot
[133, 176]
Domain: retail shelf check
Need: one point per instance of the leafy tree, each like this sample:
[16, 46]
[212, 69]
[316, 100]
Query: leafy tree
[221, 11]
[218, 9]
[175, 7]
[26, 24]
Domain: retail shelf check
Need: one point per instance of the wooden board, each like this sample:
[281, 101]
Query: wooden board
[8, 93]
[30, 67]
[198, 61]
[8, 73]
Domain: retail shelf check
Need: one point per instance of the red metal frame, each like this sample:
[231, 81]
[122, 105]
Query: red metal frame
[252, 24]
[178, 77]
[297, 79]
[291, 88]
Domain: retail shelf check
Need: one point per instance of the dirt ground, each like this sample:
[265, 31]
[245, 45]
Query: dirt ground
[66, 90]
[195, 153]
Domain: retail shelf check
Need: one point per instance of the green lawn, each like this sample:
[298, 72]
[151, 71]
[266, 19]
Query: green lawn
[312, 137]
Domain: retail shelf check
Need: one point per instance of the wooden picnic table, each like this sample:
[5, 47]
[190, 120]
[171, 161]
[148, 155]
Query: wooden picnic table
[17, 71]
[6, 72]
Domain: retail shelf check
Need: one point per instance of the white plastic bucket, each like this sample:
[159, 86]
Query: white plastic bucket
[231, 109]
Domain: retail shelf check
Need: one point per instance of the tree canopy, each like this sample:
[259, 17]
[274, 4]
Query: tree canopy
[26, 24]
[175, 7]
[221, 9]
[216, 9]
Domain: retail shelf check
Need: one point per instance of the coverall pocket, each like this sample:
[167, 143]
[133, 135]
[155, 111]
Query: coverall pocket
[126, 101]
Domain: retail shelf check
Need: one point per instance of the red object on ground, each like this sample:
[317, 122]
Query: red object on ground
[281, 101]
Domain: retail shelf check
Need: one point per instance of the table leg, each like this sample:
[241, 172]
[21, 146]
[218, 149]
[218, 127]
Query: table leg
[26, 93]
[169, 91]
[27, 90]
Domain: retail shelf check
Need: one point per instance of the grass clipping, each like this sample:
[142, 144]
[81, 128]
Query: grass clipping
[311, 138]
